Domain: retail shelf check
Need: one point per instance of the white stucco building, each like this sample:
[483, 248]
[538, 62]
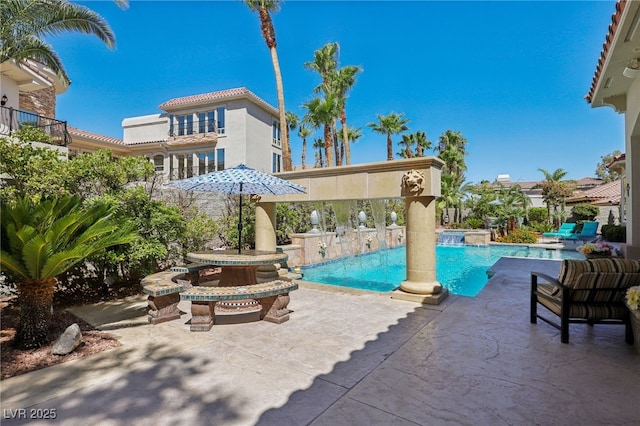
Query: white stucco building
[616, 83]
[208, 132]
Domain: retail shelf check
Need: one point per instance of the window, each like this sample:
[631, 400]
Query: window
[202, 169]
[276, 160]
[202, 122]
[181, 123]
[189, 124]
[220, 112]
[189, 165]
[211, 164]
[180, 165]
[158, 162]
[211, 122]
[220, 162]
[275, 129]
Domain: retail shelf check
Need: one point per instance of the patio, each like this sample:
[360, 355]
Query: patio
[348, 357]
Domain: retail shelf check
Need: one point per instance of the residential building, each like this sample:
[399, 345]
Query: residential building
[191, 135]
[616, 83]
[202, 133]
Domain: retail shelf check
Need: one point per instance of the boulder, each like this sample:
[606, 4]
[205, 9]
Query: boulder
[68, 341]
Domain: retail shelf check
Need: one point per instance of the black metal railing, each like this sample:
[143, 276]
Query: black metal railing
[14, 119]
[194, 127]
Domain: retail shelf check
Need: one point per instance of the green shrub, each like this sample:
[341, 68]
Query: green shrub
[31, 133]
[521, 236]
[474, 223]
[538, 215]
[541, 227]
[614, 233]
[585, 212]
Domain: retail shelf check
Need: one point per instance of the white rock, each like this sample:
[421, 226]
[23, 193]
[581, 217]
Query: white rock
[68, 341]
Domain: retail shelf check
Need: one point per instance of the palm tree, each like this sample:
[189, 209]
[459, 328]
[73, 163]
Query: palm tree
[323, 112]
[292, 123]
[341, 82]
[407, 143]
[324, 62]
[452, 150]
[422, 143]
[554, 192]
[24, 25]
[389, 125]
[336, 82]
[319, 145]
[43, 240]
[304, 132]
[263, 7]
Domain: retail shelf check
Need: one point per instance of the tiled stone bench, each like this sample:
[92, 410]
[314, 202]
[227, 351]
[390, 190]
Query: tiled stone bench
[192, 271]
[207, 303]
[163, 290]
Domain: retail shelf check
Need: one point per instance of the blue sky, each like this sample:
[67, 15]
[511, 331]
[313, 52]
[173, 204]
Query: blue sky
[511, 76]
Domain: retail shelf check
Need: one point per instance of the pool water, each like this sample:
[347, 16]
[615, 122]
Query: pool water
[461, 269]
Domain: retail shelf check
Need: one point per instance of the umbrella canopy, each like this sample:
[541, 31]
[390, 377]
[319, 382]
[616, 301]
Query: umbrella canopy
[239, 180]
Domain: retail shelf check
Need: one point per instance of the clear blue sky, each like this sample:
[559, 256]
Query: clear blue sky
[511, 76]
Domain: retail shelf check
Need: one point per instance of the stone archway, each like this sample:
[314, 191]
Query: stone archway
[417, 180]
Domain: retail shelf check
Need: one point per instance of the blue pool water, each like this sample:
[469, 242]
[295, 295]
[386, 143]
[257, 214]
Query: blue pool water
[461, 269]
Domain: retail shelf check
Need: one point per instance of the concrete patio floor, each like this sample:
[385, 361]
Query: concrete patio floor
[347, 357]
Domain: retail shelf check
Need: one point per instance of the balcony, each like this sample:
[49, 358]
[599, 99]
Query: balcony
[13, 119]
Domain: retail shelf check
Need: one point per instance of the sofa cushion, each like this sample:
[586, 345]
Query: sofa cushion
[571, 269]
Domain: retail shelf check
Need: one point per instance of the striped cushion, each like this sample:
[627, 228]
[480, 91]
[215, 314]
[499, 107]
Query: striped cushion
[587, 311]
[571, 269]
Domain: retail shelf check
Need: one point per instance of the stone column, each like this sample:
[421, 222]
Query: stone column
[266, 226]
[421, 284]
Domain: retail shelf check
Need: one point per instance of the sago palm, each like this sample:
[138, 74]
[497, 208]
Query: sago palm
[41, 241]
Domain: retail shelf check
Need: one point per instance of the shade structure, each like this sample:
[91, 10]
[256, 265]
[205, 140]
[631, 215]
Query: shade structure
[239, 180]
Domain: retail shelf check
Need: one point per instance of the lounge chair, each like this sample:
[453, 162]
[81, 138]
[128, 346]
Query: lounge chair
[565, 229]
[589, 231]
[587, 292]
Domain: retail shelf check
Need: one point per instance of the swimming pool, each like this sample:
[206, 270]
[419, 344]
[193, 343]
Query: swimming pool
[461, 269]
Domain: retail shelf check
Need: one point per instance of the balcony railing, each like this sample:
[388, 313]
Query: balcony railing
[186, 128]
[14, 119]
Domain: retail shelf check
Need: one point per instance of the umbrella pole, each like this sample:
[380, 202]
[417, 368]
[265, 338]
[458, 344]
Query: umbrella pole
[240, 222]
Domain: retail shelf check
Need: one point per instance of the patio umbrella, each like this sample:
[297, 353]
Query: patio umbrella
[239, 180]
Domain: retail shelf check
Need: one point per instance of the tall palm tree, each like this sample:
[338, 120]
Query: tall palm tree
[304, 132]
[390, 125]
[41, 241]
[322, 112]
[422, 143]
[452, 149]
[324, 62]
[293, 121]
[341, 82]
[264, 7]
[406, 144]
[319, 145]
[24, 25]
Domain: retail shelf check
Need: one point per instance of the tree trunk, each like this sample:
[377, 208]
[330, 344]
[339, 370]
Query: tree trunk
[328, 145]
[36, 302]
[304, 152]
[389, 148]
[284, 133]
[336, 143]
[345, 137]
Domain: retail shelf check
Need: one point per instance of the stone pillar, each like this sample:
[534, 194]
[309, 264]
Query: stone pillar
[421, 284]
[266, 226]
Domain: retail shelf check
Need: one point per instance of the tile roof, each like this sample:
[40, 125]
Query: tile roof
[615, 20]
[74, 131]
[240, 92]
[608, 193]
